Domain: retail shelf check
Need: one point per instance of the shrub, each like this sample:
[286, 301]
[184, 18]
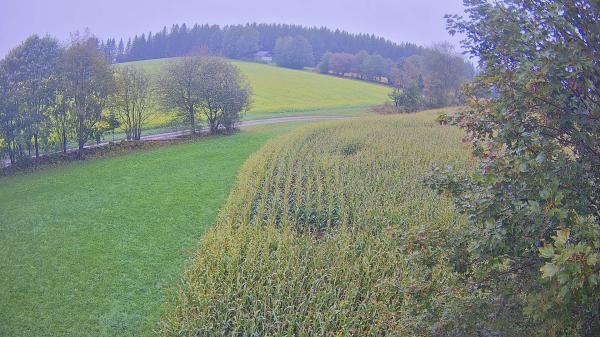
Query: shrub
[442, 119]
[408, 99]
[533, 120]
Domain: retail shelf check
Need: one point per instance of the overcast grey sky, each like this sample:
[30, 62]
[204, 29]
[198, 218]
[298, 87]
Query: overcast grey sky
[418, 21]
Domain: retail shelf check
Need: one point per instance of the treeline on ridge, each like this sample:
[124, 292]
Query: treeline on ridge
[243, 41]
[429, 77]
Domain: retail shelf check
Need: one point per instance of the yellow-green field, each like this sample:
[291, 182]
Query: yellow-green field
[330, 231]
[283, 92]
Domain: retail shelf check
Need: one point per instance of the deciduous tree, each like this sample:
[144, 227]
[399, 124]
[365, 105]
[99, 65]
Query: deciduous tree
[32, 68]
[409, 98]
[88, 82]
[131, 100]
[324, 65]
[533, 120]
[181, 87]
[9, 116]
[341, 63]
[224, 94]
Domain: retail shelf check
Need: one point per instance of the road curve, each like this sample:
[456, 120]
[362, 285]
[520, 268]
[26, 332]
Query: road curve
[176, 134]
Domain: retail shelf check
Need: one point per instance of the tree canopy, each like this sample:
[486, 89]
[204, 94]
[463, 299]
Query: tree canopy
[181, 87]
[31, 74]
[533, 120]
[293, 52]
[88, 81]
[240, 41]
[225, 93]
[208, 85]
[131, 100]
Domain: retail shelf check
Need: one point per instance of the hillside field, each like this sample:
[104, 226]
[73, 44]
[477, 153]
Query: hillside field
[284, 92]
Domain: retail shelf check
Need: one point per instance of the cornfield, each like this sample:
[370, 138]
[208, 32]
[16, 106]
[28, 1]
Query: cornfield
[330, 231]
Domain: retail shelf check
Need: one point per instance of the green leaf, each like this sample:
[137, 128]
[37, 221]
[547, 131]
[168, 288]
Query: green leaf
[541, 157]
[523, 167]
[558, 198]
[547, 251]
[592, 259]
[545, 194]
[563, 277]
[549, 270]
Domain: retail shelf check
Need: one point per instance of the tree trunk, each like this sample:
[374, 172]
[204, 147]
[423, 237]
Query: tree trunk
[37, 145]
[81, 144]
[136, 132]
[64, 140]
[214, 127]
[80, 138]
[139, 128]
[193, 123]
[20, 151]
[11, 152]
[129, 126]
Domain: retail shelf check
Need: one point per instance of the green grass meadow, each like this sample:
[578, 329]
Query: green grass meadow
[285, 92]
[89, 248]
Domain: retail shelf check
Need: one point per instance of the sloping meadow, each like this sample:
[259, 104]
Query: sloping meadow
[331, 231]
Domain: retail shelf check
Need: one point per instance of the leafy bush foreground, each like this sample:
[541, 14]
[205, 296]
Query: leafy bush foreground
[330, 231]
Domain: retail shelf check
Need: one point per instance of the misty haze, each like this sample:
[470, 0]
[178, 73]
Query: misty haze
[300, 168]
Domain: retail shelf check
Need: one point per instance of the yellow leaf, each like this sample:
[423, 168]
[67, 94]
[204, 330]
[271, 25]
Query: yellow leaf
[562, 236]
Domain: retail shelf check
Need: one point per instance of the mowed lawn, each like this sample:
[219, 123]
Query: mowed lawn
[283, 92]
[89, 249]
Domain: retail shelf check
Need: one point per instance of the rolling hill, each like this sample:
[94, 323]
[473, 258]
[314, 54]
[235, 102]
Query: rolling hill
[283, 92]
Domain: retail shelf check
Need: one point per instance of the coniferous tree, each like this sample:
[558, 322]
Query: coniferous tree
[121, 49]
[241, 41]
[293, 52]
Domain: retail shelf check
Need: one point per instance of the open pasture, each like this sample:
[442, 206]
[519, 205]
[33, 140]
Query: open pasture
[284, 92]
[87, 249]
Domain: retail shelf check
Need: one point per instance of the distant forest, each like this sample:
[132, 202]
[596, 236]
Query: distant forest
[243, 41]
[433, 75]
